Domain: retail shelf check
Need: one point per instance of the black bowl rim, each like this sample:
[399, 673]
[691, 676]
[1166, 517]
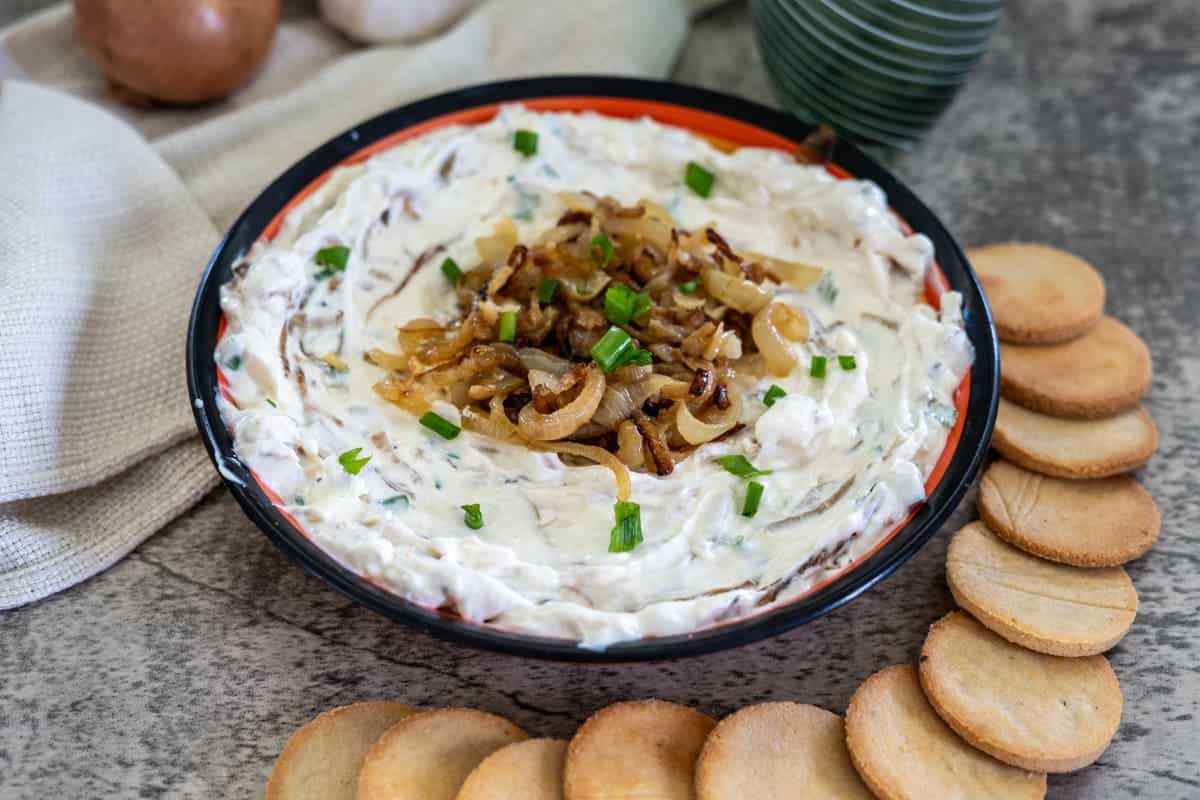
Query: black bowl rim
[960, 472]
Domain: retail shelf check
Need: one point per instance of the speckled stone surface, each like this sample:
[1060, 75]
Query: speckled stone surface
[181, 671]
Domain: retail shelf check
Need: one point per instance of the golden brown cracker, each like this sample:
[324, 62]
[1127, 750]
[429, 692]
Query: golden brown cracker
[1103, 372]
[321, 760]
[1047, 607]
[766, 751]
[904, 751]
[1103, 522]
[1074, 448]
[643, 748]
[1038, 294]
[428, 756]
[1033, 711]
[528, 770]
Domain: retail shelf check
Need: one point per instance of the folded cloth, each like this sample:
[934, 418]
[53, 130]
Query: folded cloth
[111, 213]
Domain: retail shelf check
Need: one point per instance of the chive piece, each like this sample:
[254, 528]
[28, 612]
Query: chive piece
[847, 362]
[698, 179]
[396, 499]
[331, 260]
[234, 362]
[351, 462]
[451, 270]
[611, 350]
[827, 289]
[525, 142]
[754, 493]
[740, 465]
[817, 370]
[773, 394]
[472, 516]
[601, 248]
[508, 326]
[622, 304]
[689, 287]
[547, 289]
[440, 425]
[627, 532]
[271, 403]
[641, 358]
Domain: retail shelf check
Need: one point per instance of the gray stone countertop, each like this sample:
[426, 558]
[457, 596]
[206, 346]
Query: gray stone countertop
[181, 671]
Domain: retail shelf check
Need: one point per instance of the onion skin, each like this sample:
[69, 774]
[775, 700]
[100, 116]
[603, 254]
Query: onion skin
[180, 52]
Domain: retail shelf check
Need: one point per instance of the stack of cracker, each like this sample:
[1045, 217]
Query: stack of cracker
[1010, 688]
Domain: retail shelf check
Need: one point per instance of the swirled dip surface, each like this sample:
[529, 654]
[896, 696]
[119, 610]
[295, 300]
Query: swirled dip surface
[848, 452]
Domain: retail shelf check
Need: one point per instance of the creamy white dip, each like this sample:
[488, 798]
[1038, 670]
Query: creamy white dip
[849, 452]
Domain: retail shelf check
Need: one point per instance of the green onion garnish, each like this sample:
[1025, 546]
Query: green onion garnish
[698, 179]
[610, 351]
[827, 289]
[547, 289]
[601, 248]
[622, 304]
[234, 362]
[508, 326]
[351, 462]
[847, 362]
[395, 500]
[440, 425]
[271, 403]
[451, 270]
[472, 516]
[331, 260]
[817, 370]
[641, 358]
[754, 493]
[739, 465]
[525, 142]
[627, 532]
[689, 287]
[773, 394]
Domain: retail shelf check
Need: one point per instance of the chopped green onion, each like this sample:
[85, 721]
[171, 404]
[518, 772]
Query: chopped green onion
[847, 362]
[622, 304]
[610, 351]
[547, 289]
[331, 260]
[472, 516]
[689, 287]
[817, 370]
[754, 493]
[271, 403]
[740, 465]
[396, 499]
[773, 394]
[698, 179]
[641, 358]
[508, 326]
[525, 142]
[627, 532]
[601, 248]
[440, 425]
[827, 289]
[234, 362]
[451, 270]
[351, 462]
[739, 540]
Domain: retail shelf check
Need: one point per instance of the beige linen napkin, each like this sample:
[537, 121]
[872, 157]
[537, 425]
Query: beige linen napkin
[107, 218]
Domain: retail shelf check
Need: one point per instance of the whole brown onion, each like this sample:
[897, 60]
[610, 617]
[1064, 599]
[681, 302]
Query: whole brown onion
[178, 51]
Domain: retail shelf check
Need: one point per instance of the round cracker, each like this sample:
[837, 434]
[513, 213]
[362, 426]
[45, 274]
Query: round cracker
[1047, 607]
[643, 748]
[428, 756]
[1038, 294]
[1101, 373]
[1102, 522]
[766, 751]
[1027, 709]
[1074, 448]
[528, 770]
[321, 760]
[903, 749]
